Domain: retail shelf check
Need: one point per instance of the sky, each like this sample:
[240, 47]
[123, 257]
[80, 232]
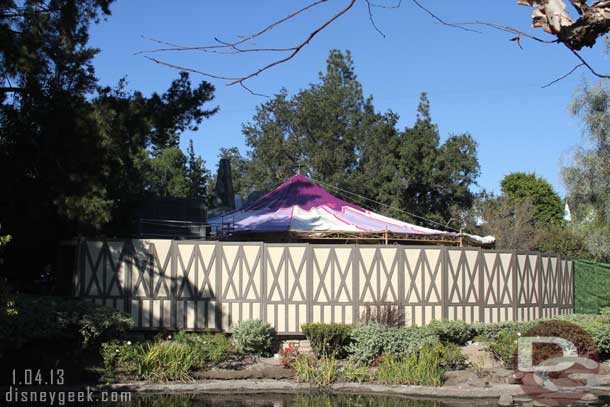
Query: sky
[479, 83]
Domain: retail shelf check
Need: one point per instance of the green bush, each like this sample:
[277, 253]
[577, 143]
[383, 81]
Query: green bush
[423, 367]
[491, 331]
[503, 346]
[605, 311]
[253, 337]
[328, 339]
[120, 359]
[208, 348]
[372, 340]
[56, 319]
[368, 343]
[452, 357]
[406, 340]
[457, 332]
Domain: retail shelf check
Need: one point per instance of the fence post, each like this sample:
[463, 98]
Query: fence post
[80, 280]
[540, 268]
[355, 259]
[264, 288]
[173, 287]
[480, 267]
[515, 289]
[444, 282]
[309, 282]
[127, 288]
[400, 259]
[218, 285]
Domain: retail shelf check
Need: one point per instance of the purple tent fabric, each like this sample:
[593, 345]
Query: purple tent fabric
[301, 205]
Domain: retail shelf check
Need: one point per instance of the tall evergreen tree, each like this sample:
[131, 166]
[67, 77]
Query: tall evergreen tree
[332, 133]
[197, 174]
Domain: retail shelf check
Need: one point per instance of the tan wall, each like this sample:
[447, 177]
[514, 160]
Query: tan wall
[201, 285]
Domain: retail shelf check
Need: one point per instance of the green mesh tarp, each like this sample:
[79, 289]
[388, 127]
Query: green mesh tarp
[591, 286]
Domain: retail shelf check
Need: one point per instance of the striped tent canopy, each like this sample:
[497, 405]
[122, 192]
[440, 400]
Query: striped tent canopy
[302, 209]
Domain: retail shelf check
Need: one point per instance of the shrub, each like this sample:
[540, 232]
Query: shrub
[209, 348]
[253, 337]
[387, 315]
[502, 346]
[407, 340]
[320, 372]
[56, 319]
[457, 332]
[328, 339]
[367, 343]
[158, 361]
[421, 368]
[600, 333]
[452, 357]
[605, 311]
[371, 340]
[120, 359]
[488, 332]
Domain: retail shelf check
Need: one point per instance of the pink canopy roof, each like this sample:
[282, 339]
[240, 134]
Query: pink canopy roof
[301, 205]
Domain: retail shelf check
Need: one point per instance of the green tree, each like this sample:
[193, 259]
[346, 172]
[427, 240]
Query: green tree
[167, 176]
[547, 206]
[148, 159]
[76, 158]
[435, 178]
[586, 175]
[52, 161]
[313, 132]
[197, 174]
[332, 133]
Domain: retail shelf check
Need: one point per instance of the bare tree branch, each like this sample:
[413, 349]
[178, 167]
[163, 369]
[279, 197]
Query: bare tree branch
[397, 5]
[593, 22]
[300, 46]
[508, 29]
[563, 76]
[589, 67]
[372, 19]
[244, 38]
[233, 46]
[440, 20]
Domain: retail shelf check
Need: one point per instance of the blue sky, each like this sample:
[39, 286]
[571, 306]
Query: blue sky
[478, 83]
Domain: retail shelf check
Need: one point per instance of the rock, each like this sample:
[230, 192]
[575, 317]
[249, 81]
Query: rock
[589, 398]
[506, 400]
[479, 357]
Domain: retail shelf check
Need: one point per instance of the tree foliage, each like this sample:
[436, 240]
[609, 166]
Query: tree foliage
[331, 132]
[586, 175]
[75, 157]
[546, 203]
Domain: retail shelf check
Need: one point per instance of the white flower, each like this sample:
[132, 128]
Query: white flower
[169, 337]
[518, 333]
[116, 350]
[128, 342]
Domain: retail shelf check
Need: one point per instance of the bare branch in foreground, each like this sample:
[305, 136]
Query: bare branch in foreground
[593, 21]
[372, 19]
[440, 20]
[563, 76]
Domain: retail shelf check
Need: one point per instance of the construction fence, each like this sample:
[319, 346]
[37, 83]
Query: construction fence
[206, 285]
